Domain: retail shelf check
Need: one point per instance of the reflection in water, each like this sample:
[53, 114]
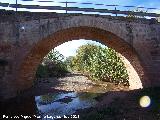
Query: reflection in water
[60, 104]
[53, 104]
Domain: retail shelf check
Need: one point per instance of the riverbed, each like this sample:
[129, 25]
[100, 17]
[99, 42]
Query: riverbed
[77, 97]
[57, 97]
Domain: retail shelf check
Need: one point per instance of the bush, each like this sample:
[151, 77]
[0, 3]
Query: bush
[52, 66]
[42, 71]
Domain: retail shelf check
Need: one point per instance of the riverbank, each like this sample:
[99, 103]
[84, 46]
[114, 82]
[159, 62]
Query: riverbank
[122, 105]
[114, 102]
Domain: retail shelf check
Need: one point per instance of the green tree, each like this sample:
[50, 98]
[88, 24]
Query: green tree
[53, 65]
[68, 62]
[100, 64]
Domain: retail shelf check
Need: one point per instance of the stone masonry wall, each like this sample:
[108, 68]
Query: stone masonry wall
[25, 38]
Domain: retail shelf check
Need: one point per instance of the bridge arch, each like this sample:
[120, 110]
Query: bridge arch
[42, 47]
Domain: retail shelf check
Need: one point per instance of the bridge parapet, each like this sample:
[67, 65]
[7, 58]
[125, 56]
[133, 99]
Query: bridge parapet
[27, 16]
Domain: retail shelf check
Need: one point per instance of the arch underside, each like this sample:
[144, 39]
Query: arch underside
[40, 49]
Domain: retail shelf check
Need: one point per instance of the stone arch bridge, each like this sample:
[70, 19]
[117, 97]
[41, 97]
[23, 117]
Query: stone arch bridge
[25, 38]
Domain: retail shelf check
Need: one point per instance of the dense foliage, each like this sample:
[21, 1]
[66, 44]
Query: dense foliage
[52, 66]
[99, 63]
[96, 62]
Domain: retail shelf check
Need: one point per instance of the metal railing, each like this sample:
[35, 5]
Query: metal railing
[142, 13]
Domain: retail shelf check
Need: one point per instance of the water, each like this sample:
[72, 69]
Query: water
[52, 105]
[48, 106]
[67, 103]
[60, 104]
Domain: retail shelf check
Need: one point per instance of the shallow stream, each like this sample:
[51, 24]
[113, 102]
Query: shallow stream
[53, 105]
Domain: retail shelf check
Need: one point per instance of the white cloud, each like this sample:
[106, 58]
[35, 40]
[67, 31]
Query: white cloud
[156, 11]
[69, 48]
[56, 3]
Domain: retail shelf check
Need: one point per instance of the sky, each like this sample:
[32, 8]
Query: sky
[69, 48]
[143, 3]
[65, 48]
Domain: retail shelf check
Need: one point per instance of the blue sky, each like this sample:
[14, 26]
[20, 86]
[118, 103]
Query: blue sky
[144, 3]
[69, 48]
